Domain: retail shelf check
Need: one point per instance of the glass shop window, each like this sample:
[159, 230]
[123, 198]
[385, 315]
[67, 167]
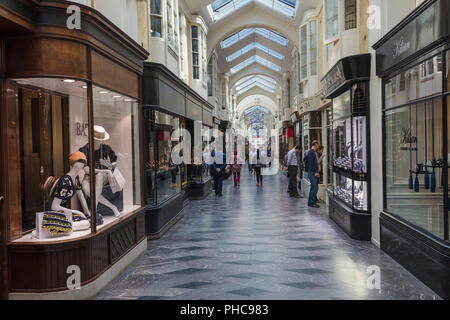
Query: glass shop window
[116, 151]
[53, 123]
[420, 81]
[168, 174]
[156, 18]
[414, 164]
[195, 52]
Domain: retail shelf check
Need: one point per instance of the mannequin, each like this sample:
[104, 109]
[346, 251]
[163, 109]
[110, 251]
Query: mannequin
[106, 161]
[67, 187]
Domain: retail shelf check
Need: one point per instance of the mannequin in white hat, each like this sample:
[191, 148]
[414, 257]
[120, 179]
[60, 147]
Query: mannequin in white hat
[106, 161]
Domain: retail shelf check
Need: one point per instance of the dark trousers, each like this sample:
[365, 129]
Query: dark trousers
[218, 183]
[314, 188]
[292, 171]
[259, 177]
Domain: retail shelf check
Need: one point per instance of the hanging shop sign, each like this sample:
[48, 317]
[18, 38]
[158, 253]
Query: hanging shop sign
[309, 105]
[416, 33]
[344, 73]
[295, 117]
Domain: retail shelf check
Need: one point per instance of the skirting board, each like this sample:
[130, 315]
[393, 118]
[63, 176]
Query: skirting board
[91, 289]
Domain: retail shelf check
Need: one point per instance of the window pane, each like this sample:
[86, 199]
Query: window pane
[54, 122]
[418, 82]
[332, 18]
[155, 6]
[414, 184]
[168, 180]
[156, 26]
[350, 14]
[117, 170]
[194, 32]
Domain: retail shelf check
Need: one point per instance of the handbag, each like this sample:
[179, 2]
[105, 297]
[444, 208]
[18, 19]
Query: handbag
[117, 181]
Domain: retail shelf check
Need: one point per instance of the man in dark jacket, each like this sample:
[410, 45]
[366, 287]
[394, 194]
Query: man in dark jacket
[218, 171]
[312, 167]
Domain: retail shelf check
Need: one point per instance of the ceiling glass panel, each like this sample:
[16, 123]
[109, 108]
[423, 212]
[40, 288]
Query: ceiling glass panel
[256, 59]
[259, 76]
[266, 33]
[251, 86]
[258, 80]
[252, 46]
[222, 8]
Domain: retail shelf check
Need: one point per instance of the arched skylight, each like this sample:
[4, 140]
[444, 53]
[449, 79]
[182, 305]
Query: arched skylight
[255, 84]
[256, 108]
[255, 59]
[258, 80]
[252, 46]
[222, 8]
[266, 33]
[260, 76]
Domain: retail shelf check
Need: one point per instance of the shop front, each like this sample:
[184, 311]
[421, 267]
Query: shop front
[347, 83]
[71, 152]
[170, 106]
[413, 61]
[312, 113]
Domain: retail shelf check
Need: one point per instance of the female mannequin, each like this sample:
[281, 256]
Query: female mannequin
[106, 161]
[67, 187]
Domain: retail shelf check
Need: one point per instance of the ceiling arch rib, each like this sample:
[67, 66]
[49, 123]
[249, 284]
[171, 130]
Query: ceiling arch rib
[255, 59]
[256, 99]
[255, 46]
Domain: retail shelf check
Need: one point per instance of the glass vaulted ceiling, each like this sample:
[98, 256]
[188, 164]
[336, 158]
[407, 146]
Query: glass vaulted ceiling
[252, 46]
[222, 8]
[266, 33]
[255, 59]
[265, 81]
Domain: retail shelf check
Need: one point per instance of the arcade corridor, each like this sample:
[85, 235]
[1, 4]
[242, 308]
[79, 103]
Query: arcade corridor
[260, 244]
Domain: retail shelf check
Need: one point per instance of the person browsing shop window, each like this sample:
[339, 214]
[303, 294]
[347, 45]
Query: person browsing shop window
[292, 168]
[312, 167]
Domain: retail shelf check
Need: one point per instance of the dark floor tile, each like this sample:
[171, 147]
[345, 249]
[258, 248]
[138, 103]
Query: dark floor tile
[249, 275]
[312, 258]
[302, 285]
[187, 271]
[310, 271]
[248, 292]
[187, 258]
[193, 285]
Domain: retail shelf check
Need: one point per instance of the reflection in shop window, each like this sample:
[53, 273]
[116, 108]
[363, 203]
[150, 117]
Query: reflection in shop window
[156, 18]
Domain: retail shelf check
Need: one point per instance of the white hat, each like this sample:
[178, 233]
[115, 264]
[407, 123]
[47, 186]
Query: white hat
[100, 133]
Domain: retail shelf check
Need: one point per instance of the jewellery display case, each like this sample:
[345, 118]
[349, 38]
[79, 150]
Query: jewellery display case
[347, 84]
[350, 162]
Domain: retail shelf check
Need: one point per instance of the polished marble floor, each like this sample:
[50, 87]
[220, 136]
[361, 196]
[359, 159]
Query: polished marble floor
[258, 244]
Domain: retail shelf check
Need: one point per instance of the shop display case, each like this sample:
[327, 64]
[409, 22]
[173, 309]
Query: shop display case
[350, 161]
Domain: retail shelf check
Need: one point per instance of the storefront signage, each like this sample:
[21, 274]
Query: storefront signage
[407, 139]
[414, 34]
[400, 47]
[334, 79]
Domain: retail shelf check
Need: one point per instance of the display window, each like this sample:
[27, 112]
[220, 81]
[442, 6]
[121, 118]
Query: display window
[55, 173]
[349, 148]
[116, 151]
[169, 176]
[414, 146]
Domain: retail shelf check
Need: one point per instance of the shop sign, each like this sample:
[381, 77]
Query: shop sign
[334, 79]
[414, 36]
[407, 139]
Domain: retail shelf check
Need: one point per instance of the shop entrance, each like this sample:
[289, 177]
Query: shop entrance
[3, 229]
[44, 126]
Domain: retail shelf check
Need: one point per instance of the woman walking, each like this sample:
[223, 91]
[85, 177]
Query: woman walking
[236, 168]
[257, 167]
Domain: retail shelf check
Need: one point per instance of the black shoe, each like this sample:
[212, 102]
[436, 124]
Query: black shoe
[220, 194]
[315, 205]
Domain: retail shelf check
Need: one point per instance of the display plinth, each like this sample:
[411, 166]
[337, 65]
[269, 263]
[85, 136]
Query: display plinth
[159, 219]
[200, 190]
[356, 224]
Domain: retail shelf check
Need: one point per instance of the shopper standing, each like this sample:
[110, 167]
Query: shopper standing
[236, 168]
[218, 171]
[292, 168]
[312, 167]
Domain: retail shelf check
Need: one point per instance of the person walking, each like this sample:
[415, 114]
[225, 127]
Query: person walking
[320, 157]
[218, 170]
[236, 168]
[312, 167]
[292, 168]
[257, 167]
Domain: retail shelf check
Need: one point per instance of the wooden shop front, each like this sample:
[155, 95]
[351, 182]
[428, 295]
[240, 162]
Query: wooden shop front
[57, 87]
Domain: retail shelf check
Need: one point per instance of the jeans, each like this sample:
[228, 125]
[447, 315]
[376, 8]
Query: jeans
[293, 191]
[314, 188]
[218, 183]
